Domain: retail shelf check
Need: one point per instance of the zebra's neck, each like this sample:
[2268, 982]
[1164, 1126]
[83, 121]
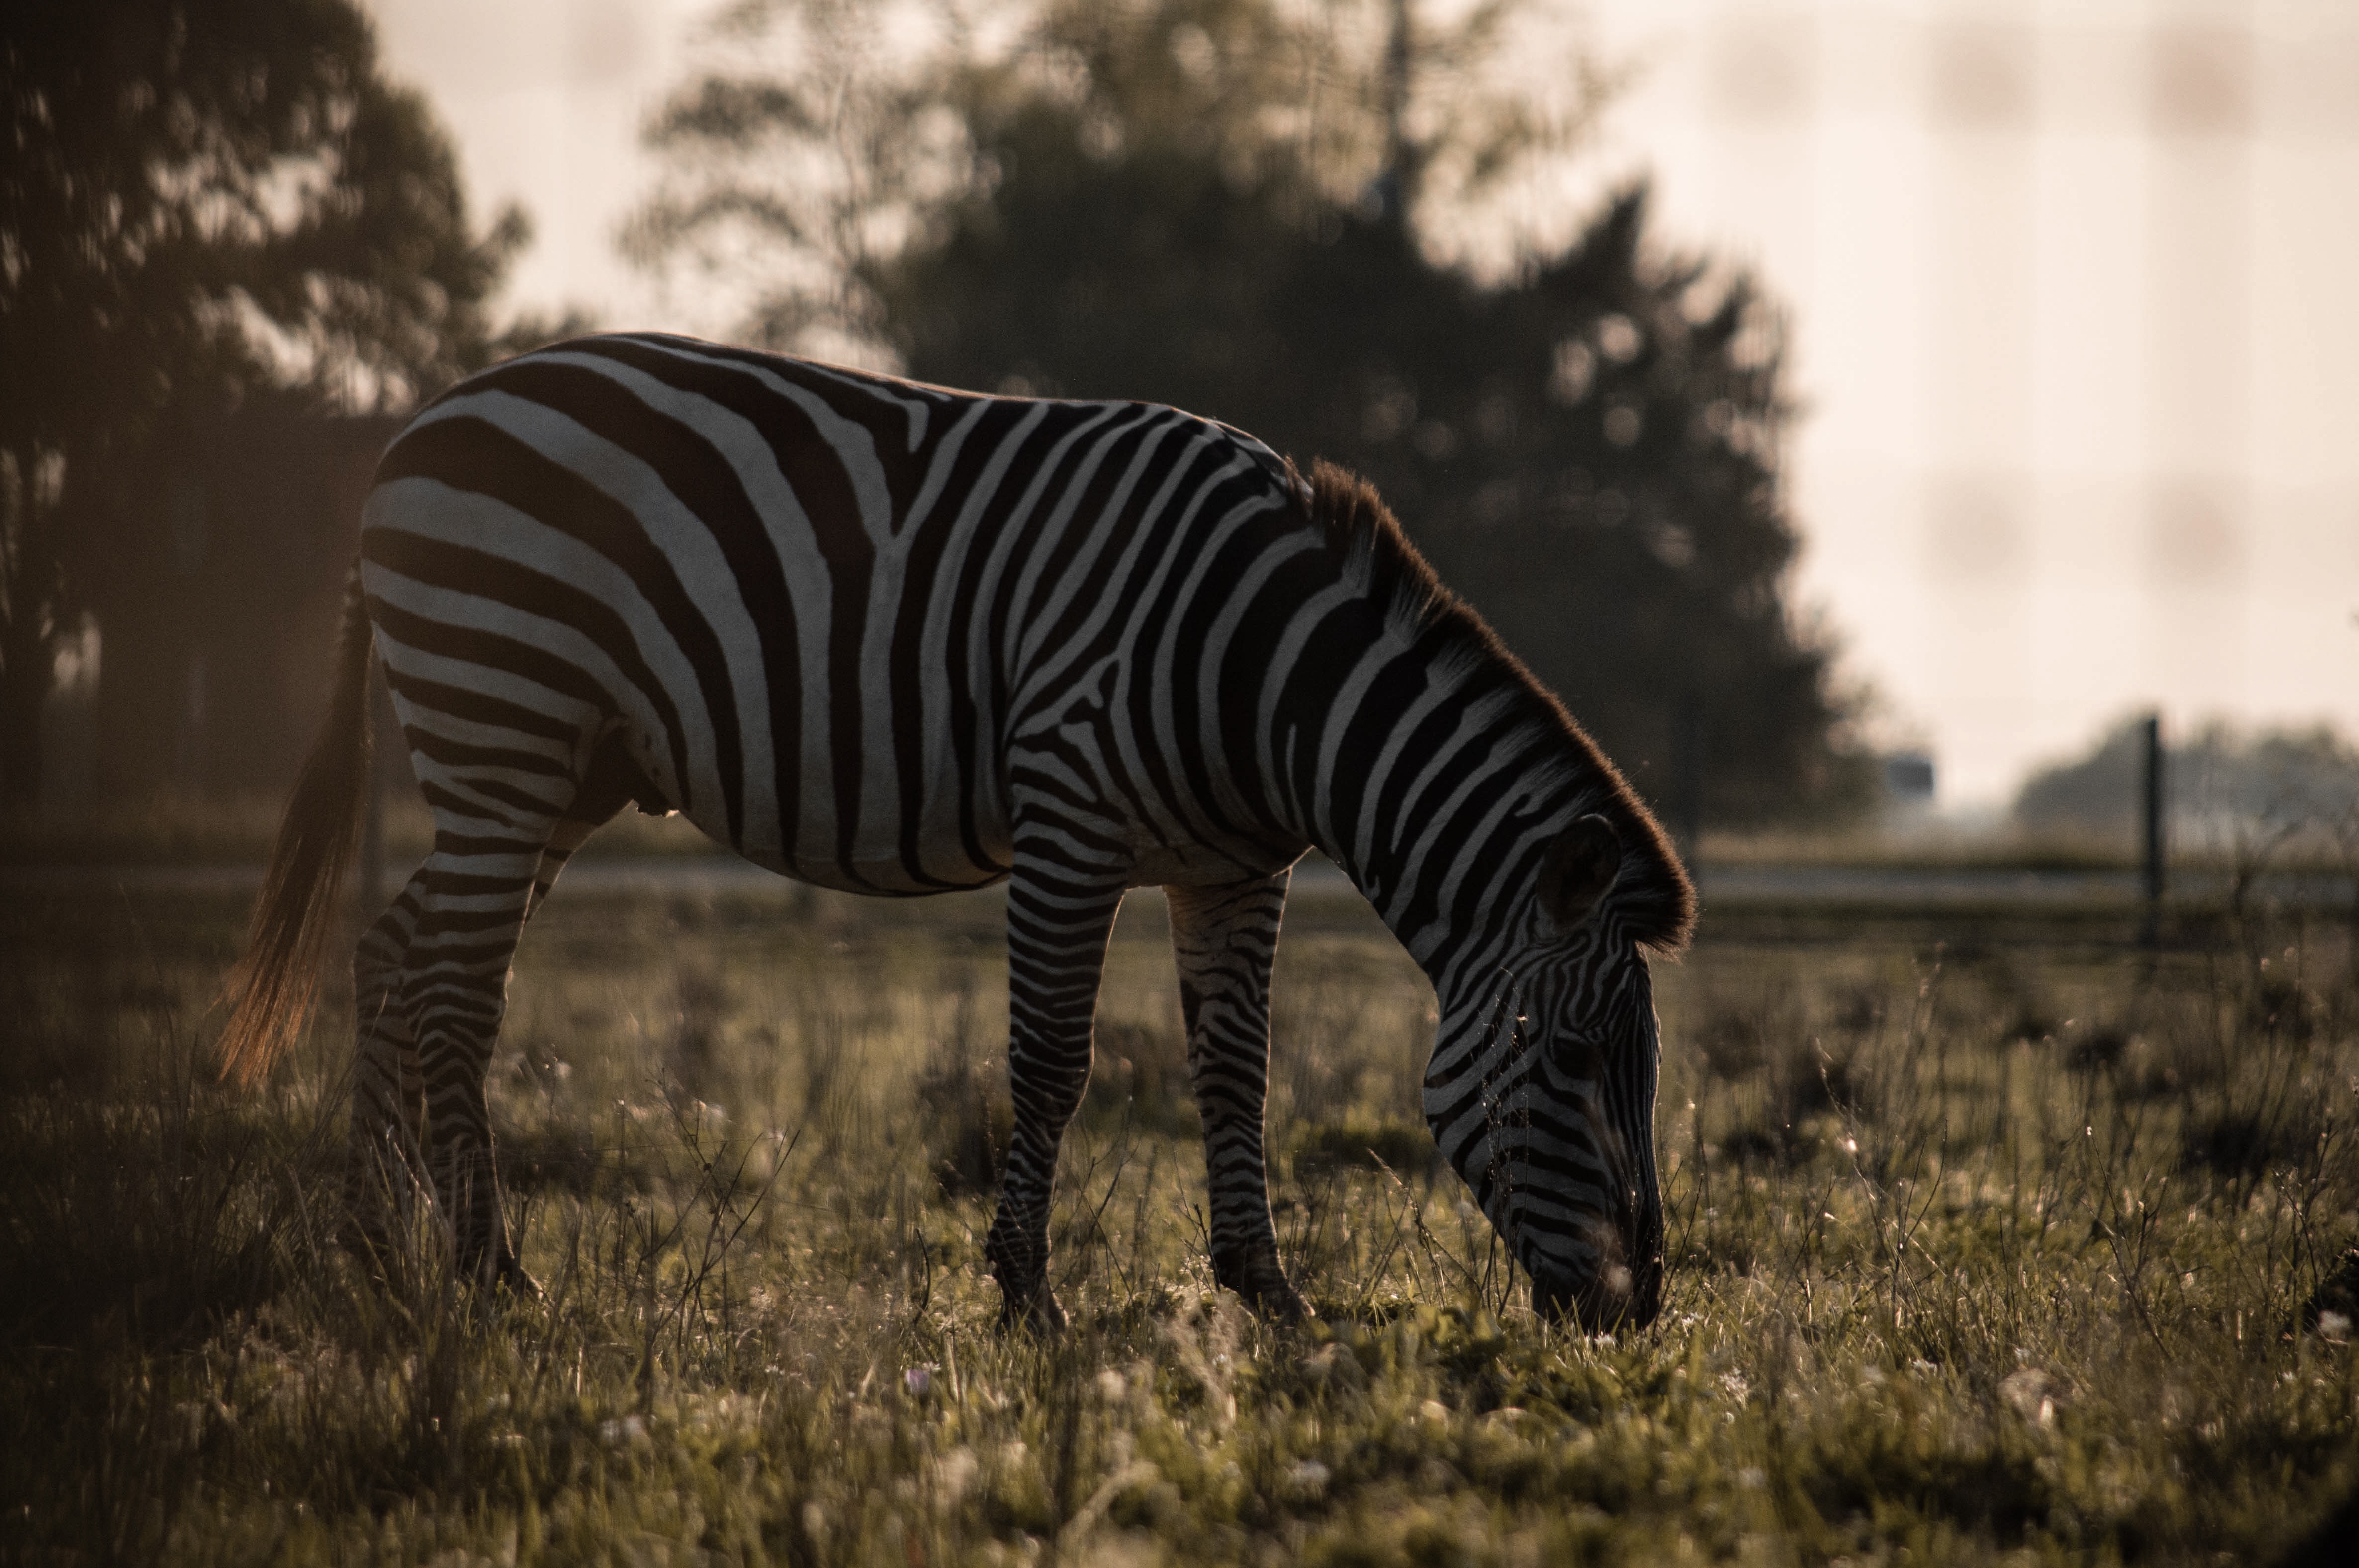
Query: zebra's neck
[1425, 761]
[1436, 799]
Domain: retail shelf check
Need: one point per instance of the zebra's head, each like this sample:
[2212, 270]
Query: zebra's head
[1547, 1104]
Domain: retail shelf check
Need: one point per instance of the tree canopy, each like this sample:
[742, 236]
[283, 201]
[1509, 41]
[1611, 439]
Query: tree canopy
[198, 202]
[1232, 205]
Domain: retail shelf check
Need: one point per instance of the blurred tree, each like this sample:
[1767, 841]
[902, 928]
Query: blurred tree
[2222, 788]
[1231, 205]
[198, 200]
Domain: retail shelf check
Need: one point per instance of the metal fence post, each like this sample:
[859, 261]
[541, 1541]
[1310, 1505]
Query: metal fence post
[2151, 820]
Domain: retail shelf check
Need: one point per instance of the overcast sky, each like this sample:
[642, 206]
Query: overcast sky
[2073, 312]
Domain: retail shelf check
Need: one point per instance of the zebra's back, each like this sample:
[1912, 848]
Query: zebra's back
[817, 610]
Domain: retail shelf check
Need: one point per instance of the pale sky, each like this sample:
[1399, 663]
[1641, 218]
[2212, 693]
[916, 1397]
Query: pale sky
[2073, 318]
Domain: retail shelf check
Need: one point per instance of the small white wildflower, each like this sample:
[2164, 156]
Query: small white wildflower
[955, 1473]
[919, 1381]
[630, 1429]
[2030, 1392]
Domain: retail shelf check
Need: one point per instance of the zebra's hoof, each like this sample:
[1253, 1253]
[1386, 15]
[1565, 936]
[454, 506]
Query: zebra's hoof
[379, 1240]
[498, 1271]
[2333, 1307]
[368, 1238]
[1256, 1275]
[1285, 1307]
[1037, 1313]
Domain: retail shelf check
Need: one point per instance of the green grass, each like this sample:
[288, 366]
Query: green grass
[1976, 1257]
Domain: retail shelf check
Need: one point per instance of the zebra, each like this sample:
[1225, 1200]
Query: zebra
[900, 640]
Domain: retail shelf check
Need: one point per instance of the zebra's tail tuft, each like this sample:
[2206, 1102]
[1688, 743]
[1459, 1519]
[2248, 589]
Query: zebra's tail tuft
[274, 983]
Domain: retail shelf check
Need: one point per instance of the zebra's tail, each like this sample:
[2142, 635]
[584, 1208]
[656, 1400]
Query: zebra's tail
[274, 983]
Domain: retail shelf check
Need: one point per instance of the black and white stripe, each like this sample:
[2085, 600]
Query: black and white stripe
[896, 640]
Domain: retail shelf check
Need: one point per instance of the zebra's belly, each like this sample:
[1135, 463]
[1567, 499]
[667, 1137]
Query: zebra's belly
[896, 848]
[881, 877]
[1205, 865]
[943, 863]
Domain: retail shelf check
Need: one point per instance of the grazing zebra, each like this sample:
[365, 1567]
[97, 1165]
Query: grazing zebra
[898, 640]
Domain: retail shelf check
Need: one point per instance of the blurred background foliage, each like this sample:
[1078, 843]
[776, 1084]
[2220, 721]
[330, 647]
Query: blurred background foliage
[202, 208]
[2239, 792]
[1247, 208]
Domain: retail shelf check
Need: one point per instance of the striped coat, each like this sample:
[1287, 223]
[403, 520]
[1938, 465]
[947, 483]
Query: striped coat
[898, 640]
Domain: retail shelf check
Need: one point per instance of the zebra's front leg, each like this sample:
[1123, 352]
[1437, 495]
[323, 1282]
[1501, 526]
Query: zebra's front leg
[1058, 916]
[1225, 939]
[385, 1168]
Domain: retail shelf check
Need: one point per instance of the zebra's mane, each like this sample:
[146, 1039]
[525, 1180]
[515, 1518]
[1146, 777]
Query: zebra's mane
[1652, 894]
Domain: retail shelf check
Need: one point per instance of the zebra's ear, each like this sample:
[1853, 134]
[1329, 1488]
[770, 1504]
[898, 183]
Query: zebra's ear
[1577, 870]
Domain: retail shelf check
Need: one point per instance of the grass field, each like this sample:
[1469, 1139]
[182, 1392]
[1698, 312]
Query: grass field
[1976, 1256]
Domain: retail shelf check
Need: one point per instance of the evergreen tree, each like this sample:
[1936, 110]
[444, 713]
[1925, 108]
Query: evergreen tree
[1149, 200]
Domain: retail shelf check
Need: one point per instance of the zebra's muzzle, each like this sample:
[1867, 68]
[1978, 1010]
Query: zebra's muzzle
[1626, 1292]
[1610, 1300]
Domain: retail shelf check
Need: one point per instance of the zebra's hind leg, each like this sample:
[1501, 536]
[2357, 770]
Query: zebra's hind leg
[388, 1168]
[474, 891]
[1225, 939]
[385, 1165]
[1058, 916]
